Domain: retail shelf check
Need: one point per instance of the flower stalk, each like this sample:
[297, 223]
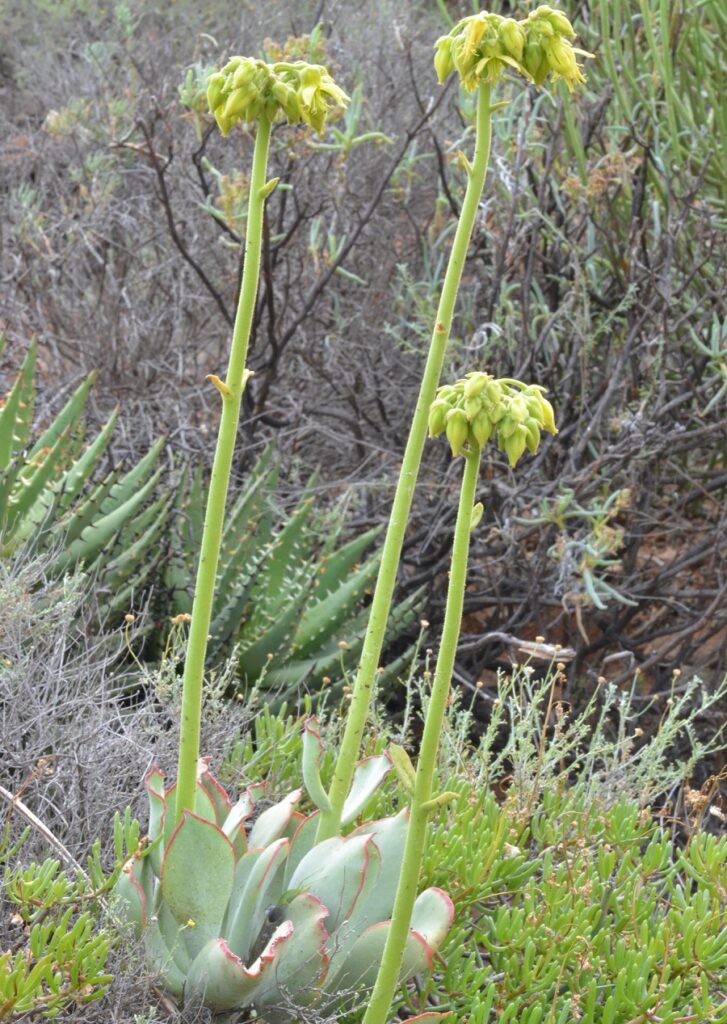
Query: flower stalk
[231, 390]
[393, 543]
[421, 805]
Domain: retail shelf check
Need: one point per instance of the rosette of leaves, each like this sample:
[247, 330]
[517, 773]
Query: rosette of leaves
[50, 501]
[259, 916]
[293, 605]
[479, 407]
[483, 46]
[247, 89]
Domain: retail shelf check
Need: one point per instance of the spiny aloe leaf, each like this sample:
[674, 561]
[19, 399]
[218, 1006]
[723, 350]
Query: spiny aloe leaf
[311, 761]
[325, 618]
[98, 534]
[275, 639]
[16, 414]
[81, 470]
[66, 418]
[337, 565]
[286, 545]
[367, 777]
[196, 879]
[32, 480]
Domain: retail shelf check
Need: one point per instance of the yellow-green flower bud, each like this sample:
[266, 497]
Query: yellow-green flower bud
[547, 418]
[555, 19]
[244, 74]
[457, 430]
[513, 38]
[475, 383]
[532, 437]
[237, 102]
[493, 390]
[481, 428]
[514, 445]
[215, 86]
[443, 63]
[535, 62]
[438, 418]
[472, 407]
[519, 409]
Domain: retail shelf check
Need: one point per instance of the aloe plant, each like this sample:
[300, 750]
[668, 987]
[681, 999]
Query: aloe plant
[239, 915]
[287, 600]
[49, 501]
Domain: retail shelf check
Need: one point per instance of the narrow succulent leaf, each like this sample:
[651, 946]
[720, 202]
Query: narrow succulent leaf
[336, 874]
[367, 777]
[312, 756]
[433, 916]
[273, 822]
[221, 978]
[301, 960]
[421, 1017]
[197, 876]
[66, 418]
[245, 918]
[17, 413]
[362, 963]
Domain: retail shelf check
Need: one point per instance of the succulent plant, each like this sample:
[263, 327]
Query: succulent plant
[294, 605]
[48, 502]
[259, 915]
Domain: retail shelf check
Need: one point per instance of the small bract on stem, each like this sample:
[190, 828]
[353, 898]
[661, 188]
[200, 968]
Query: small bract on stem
[470, 412]
[480, 48]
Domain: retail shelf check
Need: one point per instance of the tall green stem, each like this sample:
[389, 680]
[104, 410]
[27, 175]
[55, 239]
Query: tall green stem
[231, 392]
[371, 653]
[406, 893]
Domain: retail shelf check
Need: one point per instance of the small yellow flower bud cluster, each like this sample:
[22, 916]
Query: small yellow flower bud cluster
[478, 407]
[483, 45]
[247, 89]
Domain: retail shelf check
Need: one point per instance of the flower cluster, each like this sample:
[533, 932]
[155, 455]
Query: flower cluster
[478, 407]
[247, 89]
[482, 46]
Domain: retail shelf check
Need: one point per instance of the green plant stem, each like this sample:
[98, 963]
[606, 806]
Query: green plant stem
[406, 892]
[231, 393]
[374, 640]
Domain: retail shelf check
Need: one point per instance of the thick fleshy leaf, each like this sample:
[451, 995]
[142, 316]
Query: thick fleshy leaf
[362, 963]
[272, 823]
[222, 979]
[154, 785]
[367, 777]
[432, 916]
[214, 790]
[197, 877]
[203, 808]
[302, 960]
[131, 893]
[302, 842]
[312, 756]
[262, 887]
[171, 978]
[174, 936]
[334, 871]
[363, 912]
